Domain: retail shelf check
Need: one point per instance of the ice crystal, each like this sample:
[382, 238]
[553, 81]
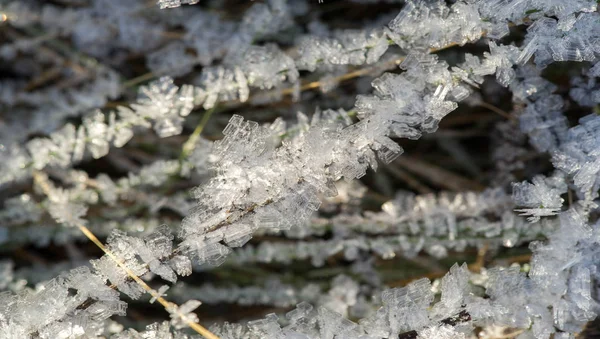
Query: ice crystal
[183, 315]
[542, 197]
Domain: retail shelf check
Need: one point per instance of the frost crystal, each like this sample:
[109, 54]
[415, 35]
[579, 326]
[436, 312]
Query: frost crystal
[579, 157]
[175, 3]
[182, 315]
[162, 102]
[542, 197]
[441, 332]
[344, 48]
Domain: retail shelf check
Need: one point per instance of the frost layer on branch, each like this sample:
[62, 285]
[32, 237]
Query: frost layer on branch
[153, 253]
[555, 298]
[343, 48]
[579, 157]
[161, 104]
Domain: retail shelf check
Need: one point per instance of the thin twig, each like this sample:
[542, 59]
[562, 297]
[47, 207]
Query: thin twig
[409, 179]
[45, 77]
[480, 261]
[190, 144]
[138, 80]
[438, 175]
[497, 110]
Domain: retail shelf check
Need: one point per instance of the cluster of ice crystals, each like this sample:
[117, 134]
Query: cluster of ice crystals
[547, 294]
[548, 41]
[64, 210]
[256, 194]
[517, 11]
[140, 35]
[52, 102]
[175, 3]
[263, 182]
[441, 332]
[579, 157]
[585, 91]
[152, 253]
[108, 269]
[222, 84]
[153, 331]
[261, 20]
[20, 209]
[265, 67]
[432, 24]
[166, 105]
[542, 119]
[344, 48]
[407, 104]
[333, 324]
[274, 292]
[253, 187]
[541, 197]
[56, 312]
[407, 240]
[555, 296]
[342, 295]
[404, 309]
[455, 289]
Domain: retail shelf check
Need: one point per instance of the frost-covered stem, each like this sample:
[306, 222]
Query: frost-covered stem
[169, 306]
[353, 74]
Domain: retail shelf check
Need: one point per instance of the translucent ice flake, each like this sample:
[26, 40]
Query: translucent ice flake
[160, 293]
[162, 102]
[264, 67]
[267, 327]
[222, 84]
[64, 210]
[181, 265]
[332, 324]
[247, 136]
[406, 307]
[578, 156]
[455, 286]
[237, 235]
[540, 198]
[153, 331]
[182, 316]
[96, 131]
[175, 3]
